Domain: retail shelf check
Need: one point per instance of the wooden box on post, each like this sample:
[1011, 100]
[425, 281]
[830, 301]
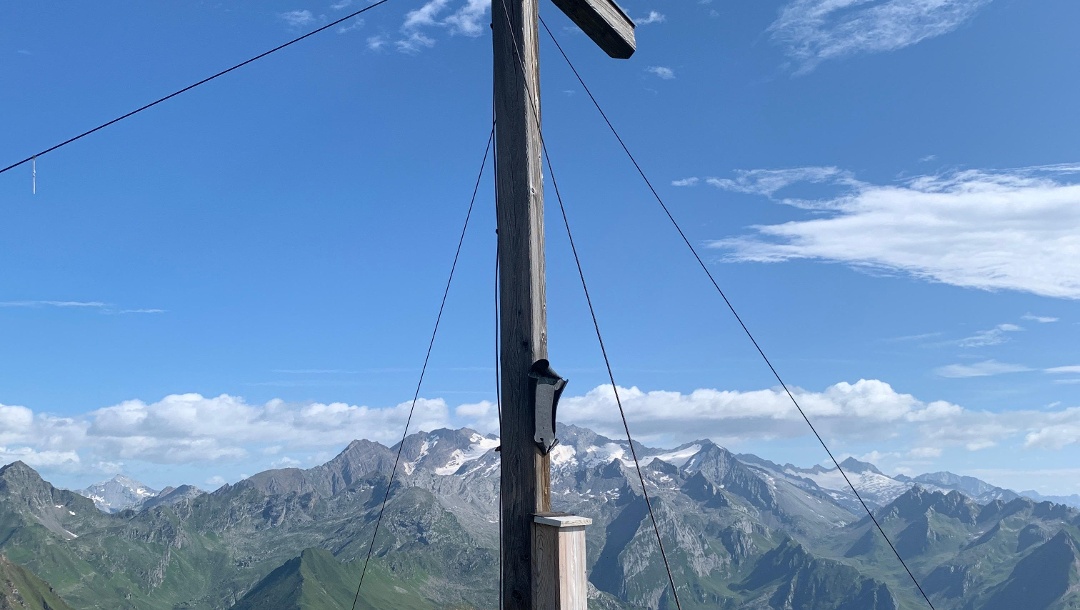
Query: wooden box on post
[559, 562]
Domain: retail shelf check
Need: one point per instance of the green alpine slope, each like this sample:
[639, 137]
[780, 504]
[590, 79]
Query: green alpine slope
[20, 589]
[316, 580]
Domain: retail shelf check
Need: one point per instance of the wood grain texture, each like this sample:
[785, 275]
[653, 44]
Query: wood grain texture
[604, 22]
[525, 484]
[559, 566]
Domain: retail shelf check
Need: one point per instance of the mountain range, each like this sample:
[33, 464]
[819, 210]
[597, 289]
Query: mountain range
[740, 531]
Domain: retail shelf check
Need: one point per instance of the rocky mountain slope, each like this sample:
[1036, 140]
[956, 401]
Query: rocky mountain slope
[741, 532]
[20, 589]
[118, 493]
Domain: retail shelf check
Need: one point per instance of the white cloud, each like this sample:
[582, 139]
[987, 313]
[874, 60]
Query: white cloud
[64, 460]
[1065, 369]
[230, 433]
[469, 19]
[661, 71]
[86, 305]
[15, 422]
[482, 416]
[414, 43]
[286, 462]
[298, 18]
[651, 18]
[341, 4]
[768, 182]
[466, 20]
[993, 336]
[1056, 430]
[921, 453]
[866, 410]
[848, 409]
[193, 429]
[189, 427]
[425, 15]
[985, 368]
[992, 230]
[813, 31]
[355, 24]
[692, 181]
[61, 304]
[1039, 319]
[376, 43]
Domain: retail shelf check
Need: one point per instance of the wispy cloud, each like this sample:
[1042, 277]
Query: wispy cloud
[420, 24]
[814, 31]
[651, 18]
[927, 158]
[341, 4]
[1065, 369]
[61, 304]
[992, 230]
[993, 336]
[425, 15]
[355, 24]
[661, 71]
[1039, 319]
[692, 181]
[469, 19]
[767, 182]
[298, 18]
[313, 371]
[917, 337]
[99, 306]
[985, 368]
[414, 43]
[376, 43]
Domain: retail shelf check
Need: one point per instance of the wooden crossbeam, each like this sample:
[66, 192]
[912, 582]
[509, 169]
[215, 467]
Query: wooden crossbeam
[604, 22]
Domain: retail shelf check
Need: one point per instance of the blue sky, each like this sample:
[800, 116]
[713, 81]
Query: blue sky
[246, 276]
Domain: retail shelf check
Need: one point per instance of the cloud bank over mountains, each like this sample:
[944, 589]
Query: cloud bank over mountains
[191, 429]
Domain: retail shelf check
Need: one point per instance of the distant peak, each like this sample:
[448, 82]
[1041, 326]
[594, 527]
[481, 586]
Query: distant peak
[19, 468]
[853, 465]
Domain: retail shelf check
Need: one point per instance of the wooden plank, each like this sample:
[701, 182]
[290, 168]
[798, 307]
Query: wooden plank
[604, 22]
[525, 481]
[545, 567]
[559, 562]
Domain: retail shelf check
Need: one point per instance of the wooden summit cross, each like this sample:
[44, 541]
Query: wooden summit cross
[540, 578]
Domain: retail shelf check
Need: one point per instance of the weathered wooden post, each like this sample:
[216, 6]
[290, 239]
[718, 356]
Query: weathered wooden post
[526, 469]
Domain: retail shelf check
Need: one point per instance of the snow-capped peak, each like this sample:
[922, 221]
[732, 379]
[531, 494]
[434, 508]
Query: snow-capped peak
[118, 493]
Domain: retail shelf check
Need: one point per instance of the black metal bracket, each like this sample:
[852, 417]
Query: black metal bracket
[547, 387]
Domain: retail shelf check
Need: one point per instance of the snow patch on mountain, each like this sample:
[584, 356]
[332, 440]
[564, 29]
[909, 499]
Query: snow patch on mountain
[678, 457]
[480, 446]
[118, 493]
[871, 484]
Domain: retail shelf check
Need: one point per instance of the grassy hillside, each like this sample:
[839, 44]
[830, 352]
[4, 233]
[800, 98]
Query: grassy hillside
[20, 589]
[316, 580]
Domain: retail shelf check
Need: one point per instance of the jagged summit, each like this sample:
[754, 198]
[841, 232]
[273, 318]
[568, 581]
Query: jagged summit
[118, 493]
[853, 465]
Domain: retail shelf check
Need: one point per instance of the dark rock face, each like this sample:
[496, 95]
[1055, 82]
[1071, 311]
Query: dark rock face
[1042, 578]
[801, 581]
